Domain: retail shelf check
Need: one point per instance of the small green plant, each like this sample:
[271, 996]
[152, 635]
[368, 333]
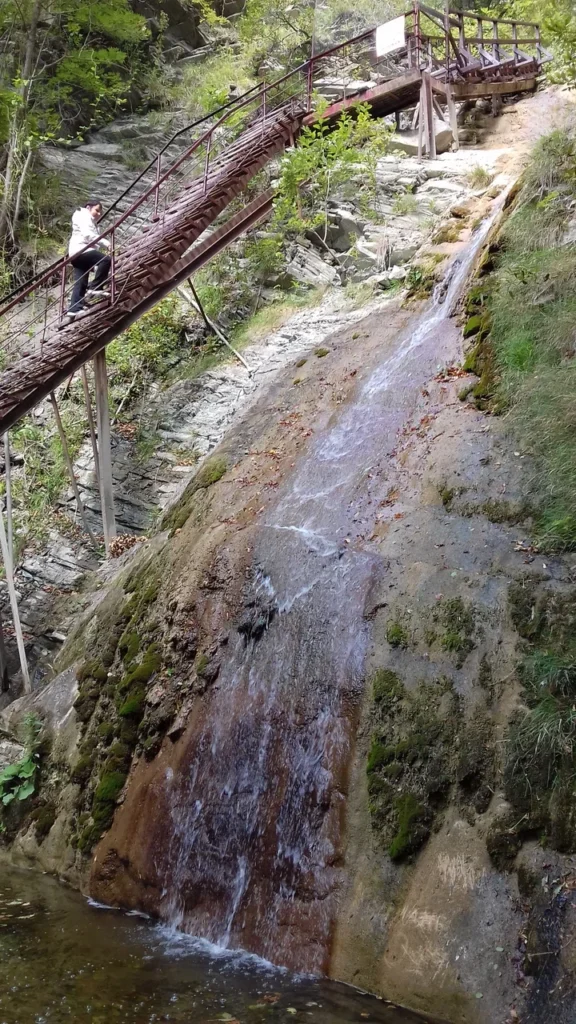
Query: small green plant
[17, 780]
[397, 635]
[405, 205]
[479, 177]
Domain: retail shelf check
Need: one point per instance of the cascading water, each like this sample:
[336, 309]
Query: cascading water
[253, 848]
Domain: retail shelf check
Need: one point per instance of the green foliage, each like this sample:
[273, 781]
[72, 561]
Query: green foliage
[480, 177]
[143, 348]
[405, 204]
[44, 476]
[397, 635]
[67, 66]
[532, 303]
[17, 780]
[328, 157]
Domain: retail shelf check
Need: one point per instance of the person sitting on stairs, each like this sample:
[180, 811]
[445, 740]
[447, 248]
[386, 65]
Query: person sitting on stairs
[84, 230]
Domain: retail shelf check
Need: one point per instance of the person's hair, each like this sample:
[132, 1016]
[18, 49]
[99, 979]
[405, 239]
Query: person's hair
[94, 202]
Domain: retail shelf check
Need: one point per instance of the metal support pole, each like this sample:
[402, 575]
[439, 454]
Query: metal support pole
[197, 305]
[70, 468]
[14, 606]
[4, 677]
[90, 417]
[104, 449]
[8, 471]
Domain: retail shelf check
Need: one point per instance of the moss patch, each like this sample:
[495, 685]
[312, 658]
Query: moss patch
[422, 749]
[397, 635]
[211, 471]
[412, 818]
[459, 627]
[387, 688]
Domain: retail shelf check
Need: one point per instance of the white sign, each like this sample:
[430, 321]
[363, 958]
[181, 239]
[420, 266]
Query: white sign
[390, 37]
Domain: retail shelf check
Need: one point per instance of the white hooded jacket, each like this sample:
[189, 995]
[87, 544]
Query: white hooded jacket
[84, 230]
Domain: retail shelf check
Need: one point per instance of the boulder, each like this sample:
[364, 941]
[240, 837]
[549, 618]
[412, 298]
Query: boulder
[10, 751]
[54, 705]
[307, 267]
[343, 230]
[407, 142]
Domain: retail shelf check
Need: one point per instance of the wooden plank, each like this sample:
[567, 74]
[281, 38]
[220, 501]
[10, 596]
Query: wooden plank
[475, 90]
[104, 449]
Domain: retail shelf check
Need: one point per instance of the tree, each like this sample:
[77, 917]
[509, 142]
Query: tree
[64, 66]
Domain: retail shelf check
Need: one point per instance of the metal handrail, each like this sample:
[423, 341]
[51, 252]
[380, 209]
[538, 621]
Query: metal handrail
[261, 91]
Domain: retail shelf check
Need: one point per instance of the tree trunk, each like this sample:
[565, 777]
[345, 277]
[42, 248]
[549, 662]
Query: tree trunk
[13, 179]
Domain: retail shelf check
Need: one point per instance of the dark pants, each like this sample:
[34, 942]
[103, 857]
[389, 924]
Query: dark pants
[83, 263]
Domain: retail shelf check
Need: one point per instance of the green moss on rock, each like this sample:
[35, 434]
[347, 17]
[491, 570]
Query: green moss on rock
[210, 472]
[386, 687]
[412, 826]
[397, 635]
[133, 706]
[44, 818]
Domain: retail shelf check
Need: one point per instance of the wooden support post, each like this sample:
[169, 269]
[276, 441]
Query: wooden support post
[90, 417]
[4, 677]
[70, 468]
[8, 472]
[452, 115]
[429, 127]
[14, 605]
[104, 449]
[421, 119]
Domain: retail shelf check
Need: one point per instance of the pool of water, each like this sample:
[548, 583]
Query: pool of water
[62, 960]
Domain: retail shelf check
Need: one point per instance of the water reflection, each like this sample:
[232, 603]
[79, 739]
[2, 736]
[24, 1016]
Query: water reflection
[63, 960]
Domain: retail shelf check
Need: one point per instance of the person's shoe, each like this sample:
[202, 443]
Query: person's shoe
[97, 293]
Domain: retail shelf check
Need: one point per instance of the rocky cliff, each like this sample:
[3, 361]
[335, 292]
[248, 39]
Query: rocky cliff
[282, 721]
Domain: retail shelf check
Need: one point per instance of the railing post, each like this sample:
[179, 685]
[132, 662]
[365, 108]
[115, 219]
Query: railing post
[309, 84]
[157, 191]
[515, 38]
[207, 162]
[104, 449]
[263, 108]
[417, 33]
[112, 265]
[62, 290]
[538, 44]
[495, 46]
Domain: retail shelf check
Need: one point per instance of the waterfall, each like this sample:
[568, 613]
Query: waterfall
[253, 818]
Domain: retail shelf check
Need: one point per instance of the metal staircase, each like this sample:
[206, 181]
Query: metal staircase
[192, 207]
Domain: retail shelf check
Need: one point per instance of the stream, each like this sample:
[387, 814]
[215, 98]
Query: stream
[63, 959]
